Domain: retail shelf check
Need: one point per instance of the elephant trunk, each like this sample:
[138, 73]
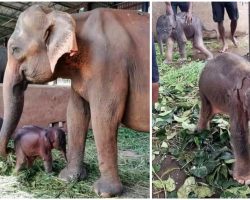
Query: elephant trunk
[14, 86]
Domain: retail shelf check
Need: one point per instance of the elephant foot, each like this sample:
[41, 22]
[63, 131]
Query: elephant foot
[72, 174]
[199, 129]
[209, 58]
[242, 179]
[3, 153]
[242, 174]
[108, 188]
[166, 61]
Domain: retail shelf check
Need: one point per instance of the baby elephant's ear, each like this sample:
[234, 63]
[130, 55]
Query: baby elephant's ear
[61, 36]
[48, 140]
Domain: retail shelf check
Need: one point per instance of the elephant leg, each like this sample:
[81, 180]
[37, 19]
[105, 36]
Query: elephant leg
[169, 53]
[78, 117]
[20, 160]
[30, 161]
[206, 113]
[48, 163]
[106, 117]
[198, 44]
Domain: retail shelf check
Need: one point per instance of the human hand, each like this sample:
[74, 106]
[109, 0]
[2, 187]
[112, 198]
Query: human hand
[188, 19]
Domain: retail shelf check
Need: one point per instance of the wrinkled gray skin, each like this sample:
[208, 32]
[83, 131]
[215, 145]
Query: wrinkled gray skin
[33, 141]
[224, 87]
[172, 29]
[109, 81]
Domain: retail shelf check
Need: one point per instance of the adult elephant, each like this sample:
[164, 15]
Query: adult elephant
[3, 62]
[105, 53]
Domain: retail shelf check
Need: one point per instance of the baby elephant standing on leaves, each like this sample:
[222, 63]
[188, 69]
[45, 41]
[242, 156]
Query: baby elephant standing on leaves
[224, 87]
[33, 141]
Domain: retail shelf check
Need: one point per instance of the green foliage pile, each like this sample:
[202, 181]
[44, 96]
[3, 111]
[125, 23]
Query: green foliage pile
[134, 171]
[206, 157]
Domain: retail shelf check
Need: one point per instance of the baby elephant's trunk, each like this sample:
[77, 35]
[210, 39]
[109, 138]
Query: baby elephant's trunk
[64, 154]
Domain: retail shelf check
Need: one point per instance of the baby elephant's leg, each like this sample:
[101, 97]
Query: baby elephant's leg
[198, 44]
[20, 159]
[206, 113]
[47, 161]
[30, 161]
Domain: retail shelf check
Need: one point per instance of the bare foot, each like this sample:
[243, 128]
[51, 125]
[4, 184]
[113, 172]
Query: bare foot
[224, 49]
[235, 42]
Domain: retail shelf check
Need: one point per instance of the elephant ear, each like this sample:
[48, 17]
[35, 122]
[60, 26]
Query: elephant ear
[171, 20]
[61, 37]
[48, 140]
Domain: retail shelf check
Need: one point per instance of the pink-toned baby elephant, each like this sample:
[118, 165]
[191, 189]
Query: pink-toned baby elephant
[33, 141]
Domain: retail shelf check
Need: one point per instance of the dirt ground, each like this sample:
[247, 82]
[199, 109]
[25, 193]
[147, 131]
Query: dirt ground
[173, 170]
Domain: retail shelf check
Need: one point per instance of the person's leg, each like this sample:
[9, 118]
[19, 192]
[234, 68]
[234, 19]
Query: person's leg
[233, 30]
[233, 14]
[222, 36]
[155, 75]
[183, 6]
[218, 16]
[174, 7]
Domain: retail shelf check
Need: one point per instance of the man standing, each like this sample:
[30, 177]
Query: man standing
[218, 9]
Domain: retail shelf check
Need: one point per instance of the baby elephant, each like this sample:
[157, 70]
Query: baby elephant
[225, 88]
[172, 28]
[33, 141]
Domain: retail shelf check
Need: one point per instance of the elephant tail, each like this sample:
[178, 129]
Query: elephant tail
[210, 30]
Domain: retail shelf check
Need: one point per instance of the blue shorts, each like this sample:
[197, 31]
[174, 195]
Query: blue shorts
[218, 9]
[182, 5]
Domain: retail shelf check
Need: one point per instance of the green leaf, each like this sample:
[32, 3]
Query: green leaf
[240, 192]
[230, 161]
[197, 142]
[203, 191]
[171, 135]
[191, 186]
[158, 184]
[199, 171]
[186, 188]
[178, 87]
[168, 184]
[224, 170]
[190, 127]
[156, 167]
[159, 120]
[165, 113]
[180, 119]
[164, 145]
[226, 156]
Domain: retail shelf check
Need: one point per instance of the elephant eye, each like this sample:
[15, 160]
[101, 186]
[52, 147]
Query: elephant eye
[15, 50]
